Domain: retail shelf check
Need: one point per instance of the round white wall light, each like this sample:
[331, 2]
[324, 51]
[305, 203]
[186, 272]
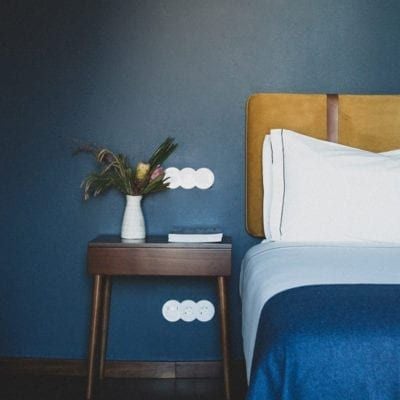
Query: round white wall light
[188, 178]
[204, 178]
[174, 177]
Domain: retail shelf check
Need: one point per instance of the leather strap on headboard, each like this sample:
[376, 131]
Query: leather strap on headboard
[370, 122]
[332, 117]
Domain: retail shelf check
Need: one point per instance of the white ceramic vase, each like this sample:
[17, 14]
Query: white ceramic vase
[133, 221]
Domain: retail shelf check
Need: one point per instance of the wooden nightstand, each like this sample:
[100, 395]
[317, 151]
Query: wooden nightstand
[111, 255]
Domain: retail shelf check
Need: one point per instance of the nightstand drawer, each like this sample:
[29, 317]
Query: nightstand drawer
[159, 261]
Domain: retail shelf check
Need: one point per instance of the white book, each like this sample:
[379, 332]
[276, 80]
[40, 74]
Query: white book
[195, 235]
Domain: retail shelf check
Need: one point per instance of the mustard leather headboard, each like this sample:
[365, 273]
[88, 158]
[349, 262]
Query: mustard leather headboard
[369, 122]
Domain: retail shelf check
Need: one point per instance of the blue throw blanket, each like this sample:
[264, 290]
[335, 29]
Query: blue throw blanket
[328, 342]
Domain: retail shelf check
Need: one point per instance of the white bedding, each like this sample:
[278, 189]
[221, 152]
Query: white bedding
[272, 267]
[323, 191]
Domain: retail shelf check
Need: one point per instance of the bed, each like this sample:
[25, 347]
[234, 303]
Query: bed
[321, 292]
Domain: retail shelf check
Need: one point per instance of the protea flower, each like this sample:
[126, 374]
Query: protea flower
[159, 171]
[116, 172]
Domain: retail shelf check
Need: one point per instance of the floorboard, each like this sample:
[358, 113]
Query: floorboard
[30, 387]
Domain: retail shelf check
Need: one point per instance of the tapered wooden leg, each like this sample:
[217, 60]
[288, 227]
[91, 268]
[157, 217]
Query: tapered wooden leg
[223, 308]
[104, 323]
[94, 327]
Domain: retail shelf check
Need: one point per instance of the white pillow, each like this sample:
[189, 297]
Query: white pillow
[267, 185]
[324, 191]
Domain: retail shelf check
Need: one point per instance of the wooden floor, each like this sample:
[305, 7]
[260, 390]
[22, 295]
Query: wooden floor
[27, 387]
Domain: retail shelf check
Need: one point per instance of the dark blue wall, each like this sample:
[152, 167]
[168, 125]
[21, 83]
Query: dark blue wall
[126, 74]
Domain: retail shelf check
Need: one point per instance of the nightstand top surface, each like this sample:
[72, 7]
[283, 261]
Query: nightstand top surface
[155, 241]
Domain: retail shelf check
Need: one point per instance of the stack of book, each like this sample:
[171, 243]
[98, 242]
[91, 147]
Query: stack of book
[195, 235]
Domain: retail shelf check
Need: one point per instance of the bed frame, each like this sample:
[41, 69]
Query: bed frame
[369, 122]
